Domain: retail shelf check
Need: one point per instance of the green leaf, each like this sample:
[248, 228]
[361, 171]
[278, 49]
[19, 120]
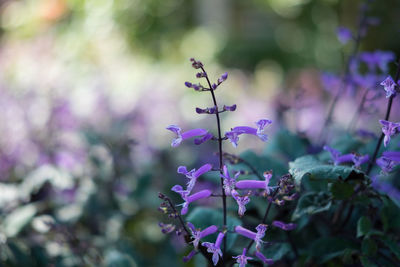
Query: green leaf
[366, 262]
[204, 217]
[276, 251]
[263, 163]
[364, 225]
[312, 203]
[392, 245]
[341, 190]
[369, 247]
[327, 248]
[115, 258]
[314, 175]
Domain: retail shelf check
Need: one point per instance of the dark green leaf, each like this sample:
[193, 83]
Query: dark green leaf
[369, 247]
[327, 248]
[312, 203]
[287, 145]
[314, 175]
[341, 190]
[392, 245]
[364, 225]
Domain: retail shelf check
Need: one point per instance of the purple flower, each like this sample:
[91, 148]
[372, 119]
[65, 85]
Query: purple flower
[233, 135]
[284, 226]
[215, 248]
[166, 228]
[204, 138]
[390, 86]
[358, 160]
[388, 129]
[189, 199]
[386, 188]
[197, 234]
[193, 174]
[256, 184]
[337, 157]
[222, 78]
[263, 258]
[242, 259]
[212, 110]
[386, 164]
[344, 34]
[189, 256]
[392, 155]
[229, 108]
[197, 64]
[229, 182]
[242, 201]
[186, 135]
[261, 228]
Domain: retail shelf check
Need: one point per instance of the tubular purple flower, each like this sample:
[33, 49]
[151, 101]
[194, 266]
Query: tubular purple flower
[261, 228]
[204, 138]
[185, 135]
[389, 86]
[386, 164]
[229, 182]
[263, 258]
[166, 228]
[189, 256]
[245, 232]
[256, 184]
[193, 174]
[388, 129]
[392, 155]
[386, 188]
[242, 259]
[197, 234]
[337, 157]
[215, 248]
[189, 199]
[233, 135]
[284, 226]
[242, 201]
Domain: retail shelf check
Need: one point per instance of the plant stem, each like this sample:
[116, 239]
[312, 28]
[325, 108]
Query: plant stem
[265, 216]
[389, 108]
[344, 80]
[220, 155]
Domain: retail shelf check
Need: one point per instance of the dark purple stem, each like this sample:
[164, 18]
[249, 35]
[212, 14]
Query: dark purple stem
[220, 155]
[389, 108]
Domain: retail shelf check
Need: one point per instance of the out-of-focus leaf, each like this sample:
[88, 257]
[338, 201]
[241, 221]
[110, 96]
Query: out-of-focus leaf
[314, 175]
[276, 251]
[263, 163]
[203, 217]
[392, 245]
[115, 258]
[327, 248]
[369, 247]
[366, 262]
[17, 219]
[287, 145]
[364, 225]
[312, 203]
[341, 190]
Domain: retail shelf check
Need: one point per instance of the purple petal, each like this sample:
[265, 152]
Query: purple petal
[203, 169]
[189, 256]
[263, 258]
[284, 226]
[392, 155]
[199, 195]
[182, 170]
[230, 108]
[193, 133]
[208, 231]
[206, 137]
[343, 34]
[245, 232]
[250, 184]
[219, 240]
[174, 128]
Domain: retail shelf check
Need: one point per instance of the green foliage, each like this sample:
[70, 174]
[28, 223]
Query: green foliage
[312, 203]
[364, 226]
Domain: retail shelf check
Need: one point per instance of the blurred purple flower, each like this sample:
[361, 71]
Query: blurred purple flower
[389, 129]
[233, 135]
[242, 259]
[263, 258]
[214, 248]
[185, 135]
[337, 157]
[344, 34]
[389, 86]
[284, 226]
[386, 164]
[197, 234]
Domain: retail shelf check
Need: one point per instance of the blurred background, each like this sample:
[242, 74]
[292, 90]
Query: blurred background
[87, 88]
